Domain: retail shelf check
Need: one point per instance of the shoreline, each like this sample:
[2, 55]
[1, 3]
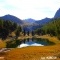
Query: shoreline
[34, 52]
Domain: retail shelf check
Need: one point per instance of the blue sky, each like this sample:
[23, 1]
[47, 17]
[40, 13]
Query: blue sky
[36, 9]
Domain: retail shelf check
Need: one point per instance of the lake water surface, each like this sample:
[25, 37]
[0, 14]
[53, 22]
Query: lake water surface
[34, 42]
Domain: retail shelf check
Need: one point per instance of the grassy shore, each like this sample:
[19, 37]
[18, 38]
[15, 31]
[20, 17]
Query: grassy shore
[35, 53]
[2, 44]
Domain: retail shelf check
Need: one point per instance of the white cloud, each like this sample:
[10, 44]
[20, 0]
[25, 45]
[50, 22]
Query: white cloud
[36, 9]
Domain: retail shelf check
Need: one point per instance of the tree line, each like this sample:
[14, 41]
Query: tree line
[7, 27]
[52, 28]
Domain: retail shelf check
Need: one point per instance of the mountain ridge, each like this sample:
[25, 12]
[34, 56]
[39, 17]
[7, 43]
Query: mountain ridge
[57, 14]
[29, 20]
[12, 18]
[31, 24]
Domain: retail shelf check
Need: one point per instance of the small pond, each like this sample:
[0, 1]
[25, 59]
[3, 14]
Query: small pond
[34, 42]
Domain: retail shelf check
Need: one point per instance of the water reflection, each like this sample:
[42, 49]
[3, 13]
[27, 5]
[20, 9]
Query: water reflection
[35, 42]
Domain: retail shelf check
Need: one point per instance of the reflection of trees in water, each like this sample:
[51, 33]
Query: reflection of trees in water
[28, 39]
[32, 39]
[37, 40]
[20, 42]
[23, 41]
[13, 43]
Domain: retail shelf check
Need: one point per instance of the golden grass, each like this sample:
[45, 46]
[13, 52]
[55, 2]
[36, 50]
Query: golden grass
[2, 44]
[35, 53]
[30, 53]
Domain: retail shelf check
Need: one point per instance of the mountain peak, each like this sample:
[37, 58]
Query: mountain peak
[12, 18]
[29, 20]
[57, 14]
[8, 15]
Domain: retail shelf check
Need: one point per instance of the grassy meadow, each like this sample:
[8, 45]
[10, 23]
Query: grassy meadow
[34, 53]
